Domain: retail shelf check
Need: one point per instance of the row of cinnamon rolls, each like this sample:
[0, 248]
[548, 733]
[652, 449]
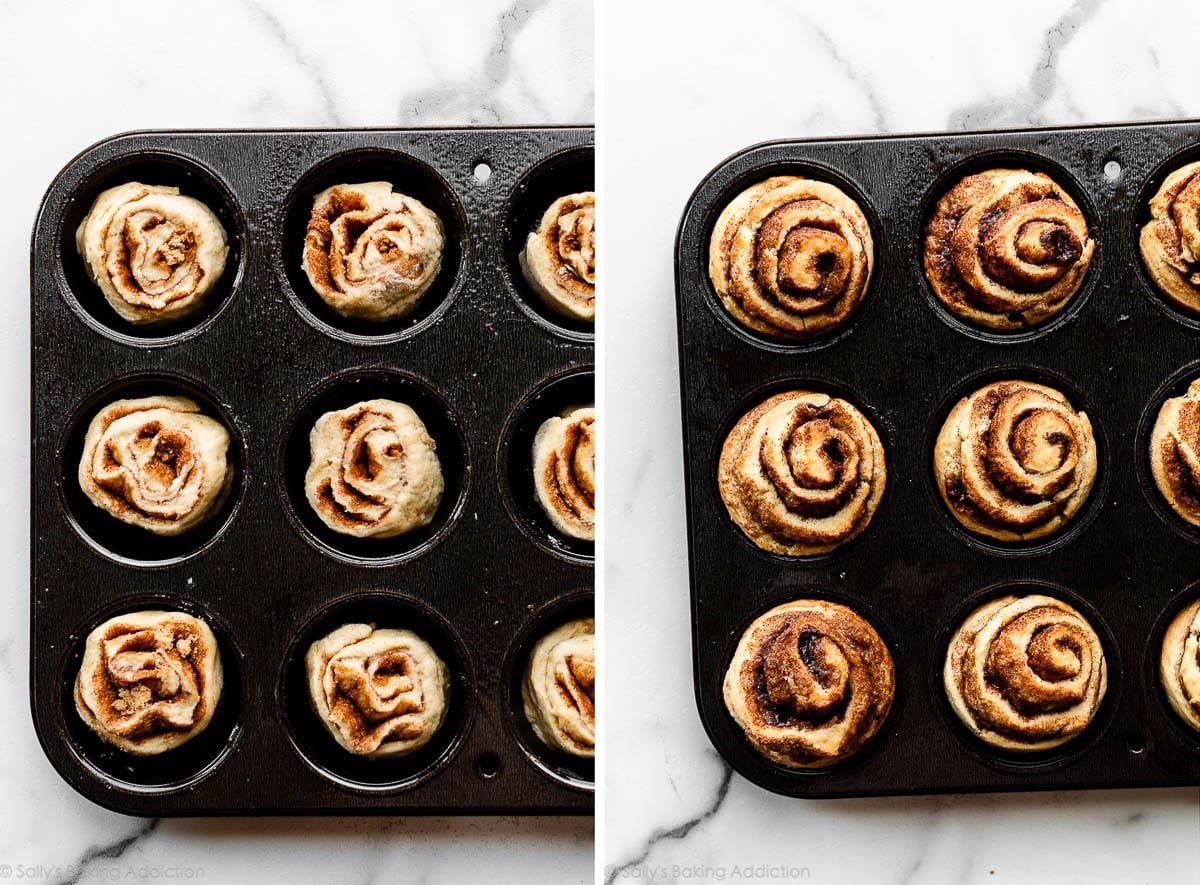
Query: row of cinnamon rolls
[370, 252]
[150, 681]
[803, 472]
[1004, 249]
[811, 681]
[160, 464]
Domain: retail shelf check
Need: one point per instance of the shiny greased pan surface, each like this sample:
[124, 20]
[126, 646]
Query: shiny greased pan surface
[1117, 351]
[481, 362]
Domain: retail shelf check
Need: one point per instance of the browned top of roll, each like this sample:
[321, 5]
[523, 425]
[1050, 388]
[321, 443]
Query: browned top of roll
[1006, 248]
[1175, 453]
[1170, 241]
[810, 683]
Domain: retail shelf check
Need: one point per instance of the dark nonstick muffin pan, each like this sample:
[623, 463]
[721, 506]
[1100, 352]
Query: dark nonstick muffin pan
[481, 361]
[1126, 562]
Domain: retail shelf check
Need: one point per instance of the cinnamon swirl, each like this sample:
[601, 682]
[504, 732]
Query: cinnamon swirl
[559, 259]
[1175, 453]
[564, 471]
[1179, 664]
[1170, 240]
[559, 689]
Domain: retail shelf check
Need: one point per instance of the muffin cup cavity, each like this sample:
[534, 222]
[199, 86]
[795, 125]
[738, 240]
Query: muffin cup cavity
[312, 740]
[442, 424]
[1141, 208]
[408, 175]
[1174, 386]
[1151, 676]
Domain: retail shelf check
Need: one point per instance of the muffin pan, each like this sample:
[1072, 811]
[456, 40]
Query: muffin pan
[480, 363]
[1117, 351]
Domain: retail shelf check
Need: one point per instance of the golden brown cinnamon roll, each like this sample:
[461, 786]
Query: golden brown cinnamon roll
[1179, 664]
[1175, 453]
[370, 252]
[156, 463]
[379, 692]
[153, 252]
[810, 683]
[1014, 461]
[1006, 249]
[791, 257]
[374, 471]
[559, 688]
[1025, 673]
[559, 259]
[802, 473]
[564, 471]
[149, 681]
[1170, 241]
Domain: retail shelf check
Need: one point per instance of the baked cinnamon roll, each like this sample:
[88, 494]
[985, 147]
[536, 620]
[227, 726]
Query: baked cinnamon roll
[564, 471]
[1006, 249]
[378, 692]
[559, 688]
[1175, 453]
[802, 473]
[149, 680]
[1170, 240]
[157, 463]
[1015, 461]
[1179, 664]
[370, 252]
[374, 471]
[1025, 673]
[791, 257]
[559, 259]
[154, 253]
[810, 684]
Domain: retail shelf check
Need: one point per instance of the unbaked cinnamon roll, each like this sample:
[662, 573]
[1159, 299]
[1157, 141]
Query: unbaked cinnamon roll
[1006, 249]
[370, 252]
[802, 473]
[559, 259]
[559, 688]
[791, 257]
[156, 463]
[154, 253]
[810, 684]
[374, 470]
[1179, 664]
[149, 681]
[1015, 461]
[1025, 673]
[1175, 453]
[378, 692]
[564, 471]
[1170, 240]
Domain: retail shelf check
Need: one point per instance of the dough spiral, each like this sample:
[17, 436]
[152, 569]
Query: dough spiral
[810, 683]
[156, 463]
[1006, 249]
[559, 688]
[1014, 461]
[1175, 453]
[791, 257]
[149, 680]
[1179, 664]
[1170, 240]
[802, 473]
[154, 253]
[559, 259]
[564, 471]
[1025, 673]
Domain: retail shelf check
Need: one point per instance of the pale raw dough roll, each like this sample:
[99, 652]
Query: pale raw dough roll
[1179, 664]
[811, 682]
[1025, 673]
[379, 692]
[559, 259]
[156, 463]
[369, 252]
[1015, 461]
[791, 257]
[374, 471]
[1175, 453]
[154, 253]
[564, 471]
[1170, 241]
[559, 688]
[149, 681]
[802, 473]
[1006, 249]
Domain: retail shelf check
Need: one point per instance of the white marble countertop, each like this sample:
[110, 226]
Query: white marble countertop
[77, 72]
[672, 109]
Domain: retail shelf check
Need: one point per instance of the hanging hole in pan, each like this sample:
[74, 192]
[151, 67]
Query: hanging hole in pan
[1112, 171]
[482, 172]
[487, 766]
